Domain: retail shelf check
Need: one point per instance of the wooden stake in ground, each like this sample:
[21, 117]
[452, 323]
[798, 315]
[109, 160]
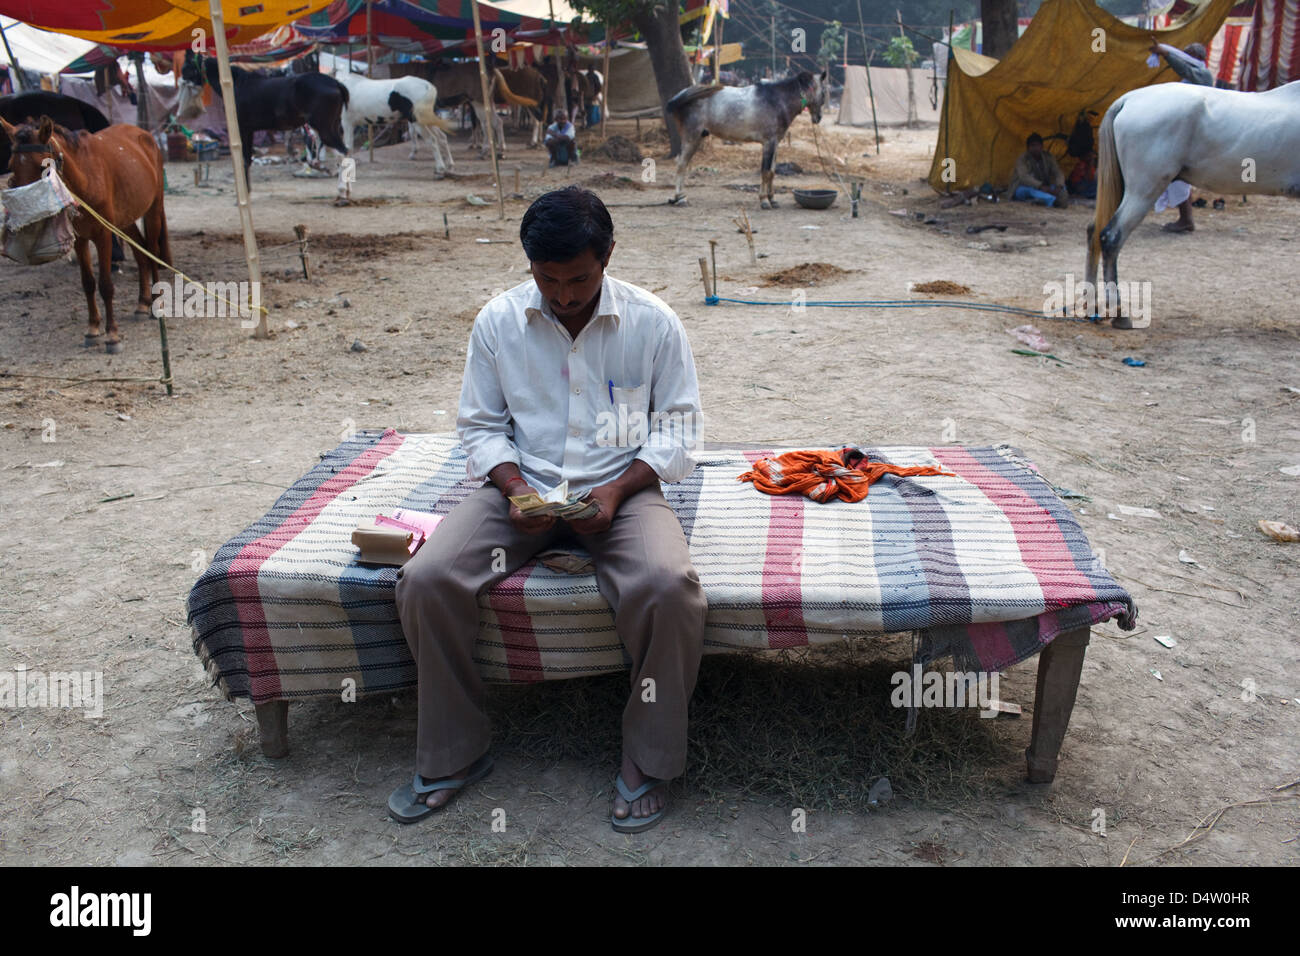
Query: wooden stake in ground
[237, 157]
[713, 259]
[301, 233]
[744, 225]
[489, 108]
[704, 276]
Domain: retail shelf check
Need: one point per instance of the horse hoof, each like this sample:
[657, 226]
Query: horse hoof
[112, 348]
[1121, 322]
[143, 312]
[91, 341]
[764, 204]
[677, 201]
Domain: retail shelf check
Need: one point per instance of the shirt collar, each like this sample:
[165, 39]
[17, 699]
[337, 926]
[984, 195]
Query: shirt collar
[607, 305]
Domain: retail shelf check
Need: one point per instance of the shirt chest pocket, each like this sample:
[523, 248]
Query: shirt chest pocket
[631, 400]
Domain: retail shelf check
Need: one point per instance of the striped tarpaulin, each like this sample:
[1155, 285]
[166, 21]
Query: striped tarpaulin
[1272, 54]
[989, 566]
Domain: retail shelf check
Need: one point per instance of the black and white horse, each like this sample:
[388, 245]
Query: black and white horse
[387, 101]
[753, 114]
[269, 102]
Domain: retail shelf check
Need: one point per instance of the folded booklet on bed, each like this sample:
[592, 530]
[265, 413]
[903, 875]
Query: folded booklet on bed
[393, 539]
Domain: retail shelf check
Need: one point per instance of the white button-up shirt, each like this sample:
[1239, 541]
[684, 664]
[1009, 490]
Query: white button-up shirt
[582, 409]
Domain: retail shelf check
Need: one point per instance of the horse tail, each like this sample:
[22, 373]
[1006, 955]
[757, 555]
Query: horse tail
[1110, 183]
[677, 105]
[427, 115]
[514, 99]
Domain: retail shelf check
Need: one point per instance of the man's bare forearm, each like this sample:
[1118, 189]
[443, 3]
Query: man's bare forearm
[638, 475]
[505, 475]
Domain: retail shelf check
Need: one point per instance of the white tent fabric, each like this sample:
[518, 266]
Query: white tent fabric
[632, 89]
[538, 9]
[41, 50]
[164, 96]
[890, 87]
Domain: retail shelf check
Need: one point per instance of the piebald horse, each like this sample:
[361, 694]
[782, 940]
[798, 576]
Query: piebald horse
[387, 101]
[753, 114]
[268, 102]
[119, 173]
[1219, 140]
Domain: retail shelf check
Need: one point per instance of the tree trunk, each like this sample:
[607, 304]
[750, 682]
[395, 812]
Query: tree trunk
[1000, 27]
[912, 119]
[663, 38]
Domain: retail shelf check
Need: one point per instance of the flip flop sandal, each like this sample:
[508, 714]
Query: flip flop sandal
[406, 803]
[631, 824]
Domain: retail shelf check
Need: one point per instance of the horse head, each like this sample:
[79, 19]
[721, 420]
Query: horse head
[816, 90]
[33, 144]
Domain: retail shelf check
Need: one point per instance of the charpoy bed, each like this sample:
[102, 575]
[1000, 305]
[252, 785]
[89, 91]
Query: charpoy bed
[987, 566]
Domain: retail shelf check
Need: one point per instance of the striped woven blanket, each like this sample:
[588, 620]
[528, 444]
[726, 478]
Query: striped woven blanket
[988, 566]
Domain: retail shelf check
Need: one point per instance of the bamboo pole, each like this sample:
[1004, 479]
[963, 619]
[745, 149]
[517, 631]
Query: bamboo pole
[489, 108]
[370, 73]
[237, 157]
[717, 50]
[16, 73]
[604, 90]
[866, 57]
[563, 100]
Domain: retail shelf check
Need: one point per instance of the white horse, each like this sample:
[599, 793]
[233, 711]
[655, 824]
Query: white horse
[1219, 140]
[387, 101]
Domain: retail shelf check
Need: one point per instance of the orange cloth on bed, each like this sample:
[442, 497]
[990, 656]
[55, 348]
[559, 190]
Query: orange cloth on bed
[823, 474]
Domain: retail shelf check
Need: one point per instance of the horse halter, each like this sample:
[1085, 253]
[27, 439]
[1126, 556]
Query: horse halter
[41, 148]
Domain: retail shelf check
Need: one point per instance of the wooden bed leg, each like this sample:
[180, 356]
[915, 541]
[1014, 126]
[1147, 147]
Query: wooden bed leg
[1059, 667]
[273, 726]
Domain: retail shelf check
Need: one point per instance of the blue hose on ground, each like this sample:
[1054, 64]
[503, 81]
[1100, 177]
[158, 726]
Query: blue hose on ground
[906, 304]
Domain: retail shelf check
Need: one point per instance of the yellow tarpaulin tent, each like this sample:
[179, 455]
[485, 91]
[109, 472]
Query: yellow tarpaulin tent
[1073, 56]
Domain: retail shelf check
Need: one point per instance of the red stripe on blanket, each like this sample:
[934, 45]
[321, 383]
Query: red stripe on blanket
[1041, 552]
[264, 675]
[782, 568]
[990, 641]
[506, 597]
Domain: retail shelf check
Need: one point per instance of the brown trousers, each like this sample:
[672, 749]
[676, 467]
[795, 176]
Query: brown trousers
[643, 569]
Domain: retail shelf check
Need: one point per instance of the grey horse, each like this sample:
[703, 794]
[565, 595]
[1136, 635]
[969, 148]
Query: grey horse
[754, 114]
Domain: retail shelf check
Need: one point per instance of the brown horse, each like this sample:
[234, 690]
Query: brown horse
[119, 173]
[460, 83]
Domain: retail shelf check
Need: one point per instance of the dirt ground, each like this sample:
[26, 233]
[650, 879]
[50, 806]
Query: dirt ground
[111, 521]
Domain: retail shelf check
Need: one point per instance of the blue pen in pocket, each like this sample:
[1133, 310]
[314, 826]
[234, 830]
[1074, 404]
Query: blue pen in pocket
[611, 391]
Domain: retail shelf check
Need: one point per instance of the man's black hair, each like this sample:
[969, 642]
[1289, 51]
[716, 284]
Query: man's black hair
[1033, 138]
[562, 223]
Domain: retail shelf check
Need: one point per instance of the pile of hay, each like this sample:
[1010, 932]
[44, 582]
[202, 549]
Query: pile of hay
[942, 287]
[809, 273]
[617, 149]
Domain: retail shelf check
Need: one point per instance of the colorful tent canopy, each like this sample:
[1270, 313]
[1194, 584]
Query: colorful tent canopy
[1054, 70]
[423, 26]
[283, 43]
[156, 24]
